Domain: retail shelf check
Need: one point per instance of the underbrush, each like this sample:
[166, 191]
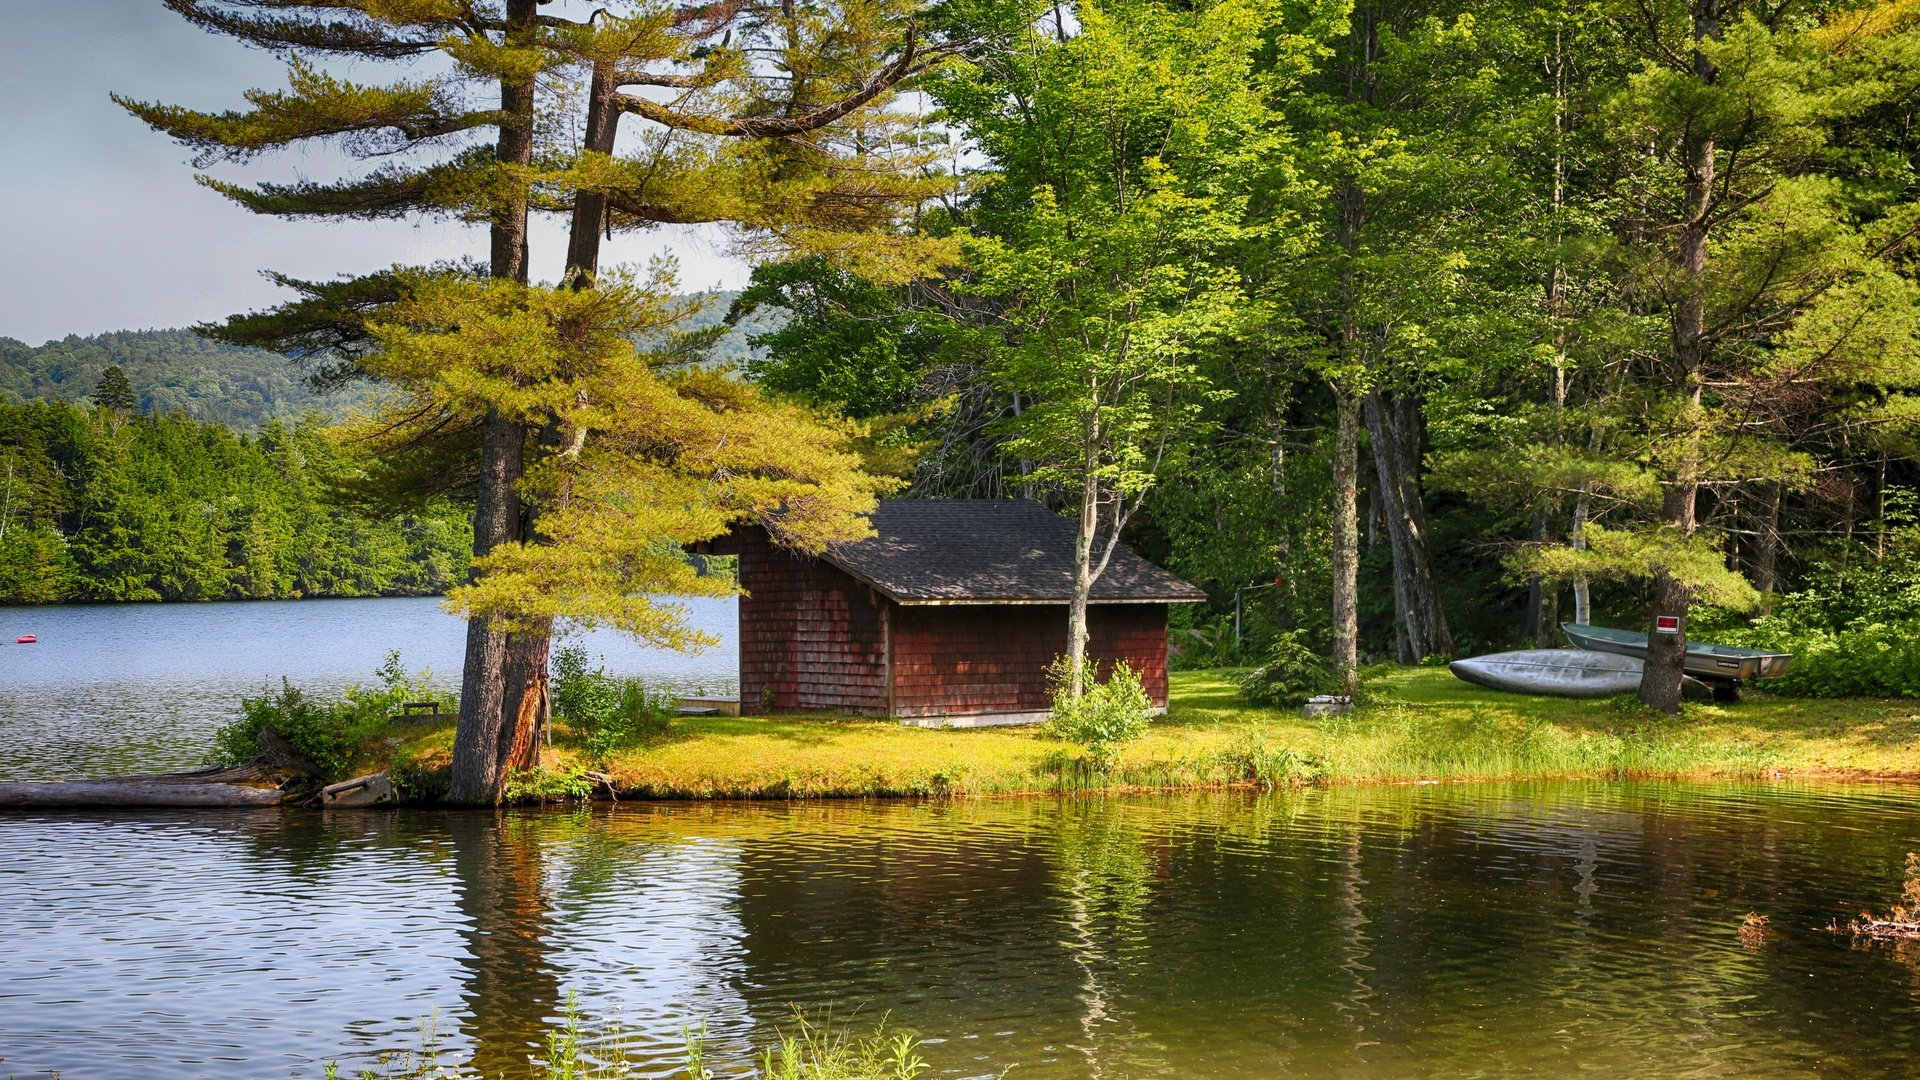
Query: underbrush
[605, 713]
[329, 736]
[1863, 659]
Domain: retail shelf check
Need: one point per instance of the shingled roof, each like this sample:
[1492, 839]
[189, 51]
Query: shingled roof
[990, 551]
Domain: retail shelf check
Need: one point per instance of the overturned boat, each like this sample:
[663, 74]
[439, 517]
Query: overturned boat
[1709, 662]
[1573, 673]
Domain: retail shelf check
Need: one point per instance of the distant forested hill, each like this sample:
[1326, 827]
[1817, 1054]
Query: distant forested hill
[172, 371]
[178, 371]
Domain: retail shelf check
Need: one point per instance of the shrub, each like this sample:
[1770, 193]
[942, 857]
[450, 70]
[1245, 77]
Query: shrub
[1292, 674]
[325, 734]
[1107, 715]
[1209, 645]
[1865, 659]
[543, 785]
[606, 713]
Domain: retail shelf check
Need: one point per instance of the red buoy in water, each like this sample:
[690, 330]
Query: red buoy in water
[25, 639]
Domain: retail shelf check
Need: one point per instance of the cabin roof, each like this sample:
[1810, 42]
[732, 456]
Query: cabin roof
[991, 551]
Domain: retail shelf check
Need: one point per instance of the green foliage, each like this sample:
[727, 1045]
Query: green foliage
[606, 713]
[1694, 561]
[114, 391]
[95, 505]
[1853, 627]
[326, 734]
[647, 453]
[167, 371]
[813, 1050]
[1210, 644]
[1105, 717]
[543, 785]
[1293, 672]
[1262, 759]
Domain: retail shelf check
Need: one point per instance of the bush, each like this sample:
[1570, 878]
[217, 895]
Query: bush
[543, 785]
[606, 713]
[1292, 674]
[325, 734]
[1865, 659]
[1209, 645]
[1107, 716]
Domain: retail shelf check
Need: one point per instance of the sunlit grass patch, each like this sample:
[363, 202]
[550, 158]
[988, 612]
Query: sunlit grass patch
[1414, 724]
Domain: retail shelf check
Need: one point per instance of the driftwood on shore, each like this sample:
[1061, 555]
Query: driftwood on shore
[245, 785]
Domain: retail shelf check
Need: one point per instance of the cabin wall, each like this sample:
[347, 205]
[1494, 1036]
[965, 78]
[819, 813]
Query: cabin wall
[811, 637]
[962, 659]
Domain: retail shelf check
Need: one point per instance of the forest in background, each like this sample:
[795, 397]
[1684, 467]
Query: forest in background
[200, 378]
[101, 504]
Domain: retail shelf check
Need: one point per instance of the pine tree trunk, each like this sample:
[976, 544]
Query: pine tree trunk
[476, 777]
[1393, 426]
[1346, 539]
[527, 701]
[1660, 684]
[488, 703]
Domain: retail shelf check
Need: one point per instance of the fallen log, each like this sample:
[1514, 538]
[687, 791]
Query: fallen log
[142, 792]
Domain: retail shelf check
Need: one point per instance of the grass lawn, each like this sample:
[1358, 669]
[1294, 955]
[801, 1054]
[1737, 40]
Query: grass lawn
[1419, 724]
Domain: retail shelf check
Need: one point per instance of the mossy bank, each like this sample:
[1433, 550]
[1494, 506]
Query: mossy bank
[1417, 725]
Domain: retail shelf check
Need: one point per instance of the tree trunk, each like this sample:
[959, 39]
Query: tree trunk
[1543, 597]
[1660, 685]
[1393, 425]
[477, 776]
[1085, 530]
[1346, 539]
[1766, 549]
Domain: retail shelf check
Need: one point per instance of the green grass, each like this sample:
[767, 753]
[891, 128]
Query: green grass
[805, 1049]
[1417, 724]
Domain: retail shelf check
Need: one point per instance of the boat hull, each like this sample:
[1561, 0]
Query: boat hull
[1704, 660]
[1572, 673]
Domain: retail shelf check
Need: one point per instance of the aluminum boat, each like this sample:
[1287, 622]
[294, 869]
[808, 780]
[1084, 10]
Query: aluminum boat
[1554, 672]
[1704, 660]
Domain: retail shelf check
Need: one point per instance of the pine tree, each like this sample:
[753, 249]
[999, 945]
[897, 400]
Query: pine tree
[113, 391]
[776, 123]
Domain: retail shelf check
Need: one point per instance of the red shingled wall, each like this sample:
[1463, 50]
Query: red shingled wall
[811, 637]
[956, 659]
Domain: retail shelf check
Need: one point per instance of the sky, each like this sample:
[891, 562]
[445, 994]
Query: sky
[102, 226]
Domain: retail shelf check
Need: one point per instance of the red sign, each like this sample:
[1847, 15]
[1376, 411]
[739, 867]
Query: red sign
[1667, 624]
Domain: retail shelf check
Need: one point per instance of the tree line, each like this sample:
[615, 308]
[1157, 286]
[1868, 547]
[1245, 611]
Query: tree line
[1605, 293]
[1419, 327]
[98, 503]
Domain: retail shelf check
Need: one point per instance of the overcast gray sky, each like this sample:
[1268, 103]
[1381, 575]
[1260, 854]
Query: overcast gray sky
[102, 226]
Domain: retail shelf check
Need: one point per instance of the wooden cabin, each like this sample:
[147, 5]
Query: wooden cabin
[950, 614]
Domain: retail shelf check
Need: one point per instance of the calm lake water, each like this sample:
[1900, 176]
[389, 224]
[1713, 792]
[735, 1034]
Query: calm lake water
[1397, 931]
[114, 688]
[1406, 931]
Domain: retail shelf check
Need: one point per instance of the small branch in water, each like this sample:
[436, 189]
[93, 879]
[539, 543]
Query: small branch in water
[1901, 923]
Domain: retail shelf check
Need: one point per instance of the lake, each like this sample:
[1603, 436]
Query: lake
[1454, 930]
[1390, 931]
[116, 688]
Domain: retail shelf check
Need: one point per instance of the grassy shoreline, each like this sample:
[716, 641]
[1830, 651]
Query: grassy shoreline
[1420, 725]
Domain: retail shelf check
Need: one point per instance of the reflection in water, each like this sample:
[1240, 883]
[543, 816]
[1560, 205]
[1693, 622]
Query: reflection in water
[1457, 930]
[510, 986]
